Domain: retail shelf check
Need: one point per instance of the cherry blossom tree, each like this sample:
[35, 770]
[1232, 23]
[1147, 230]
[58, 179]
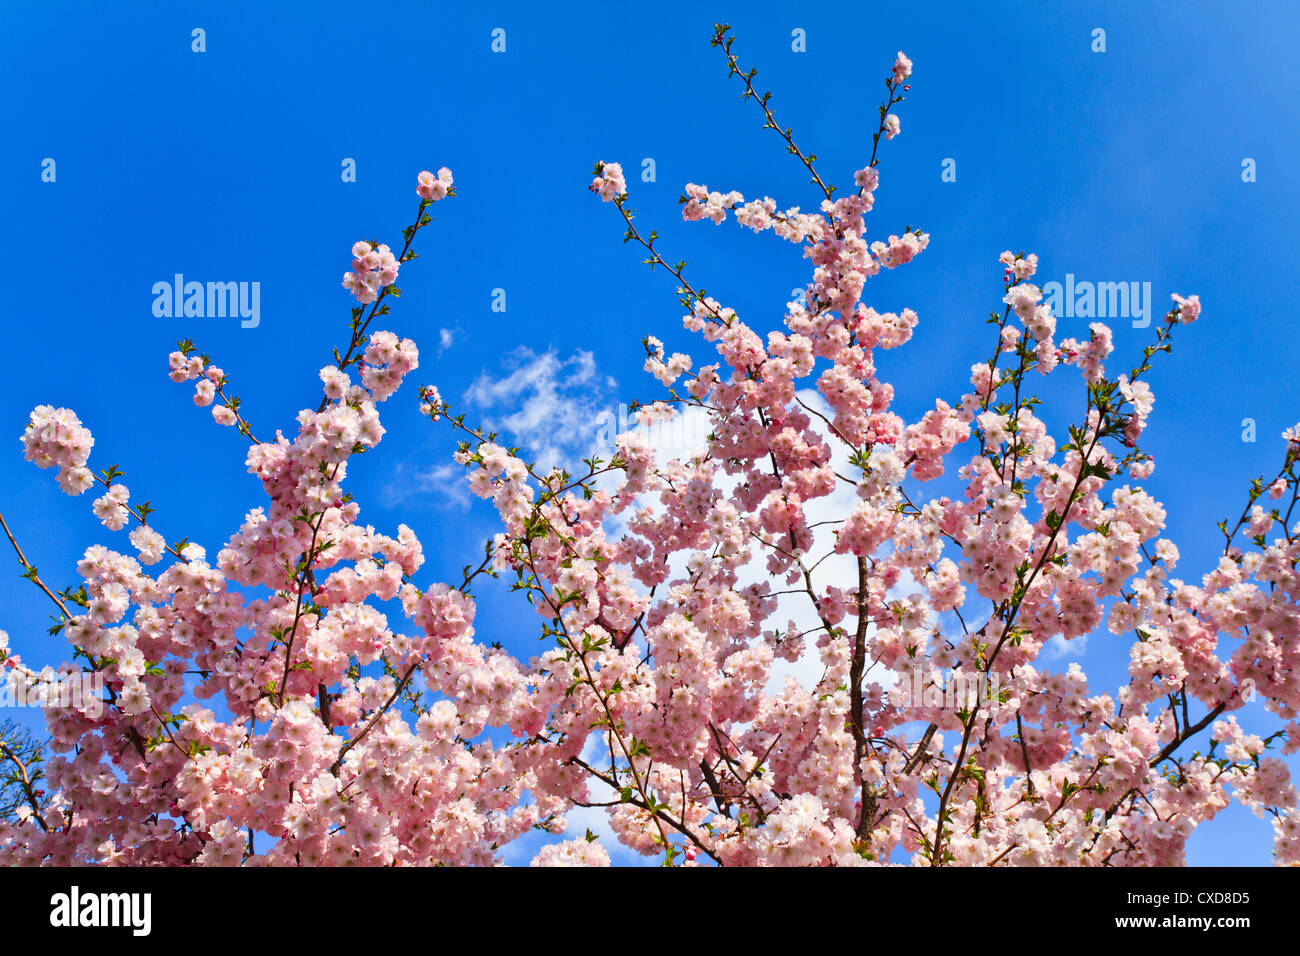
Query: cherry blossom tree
[21, 754]
[301, 697]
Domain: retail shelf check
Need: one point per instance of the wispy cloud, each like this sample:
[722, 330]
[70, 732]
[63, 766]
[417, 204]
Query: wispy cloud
[444, 485]
[547, 405]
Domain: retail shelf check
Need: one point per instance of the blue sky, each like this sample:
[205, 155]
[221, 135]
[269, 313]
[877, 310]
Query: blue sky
[225, 166]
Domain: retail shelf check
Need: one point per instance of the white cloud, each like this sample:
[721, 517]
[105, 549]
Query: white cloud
[1058, 649]
[444, 483]
[549, 406]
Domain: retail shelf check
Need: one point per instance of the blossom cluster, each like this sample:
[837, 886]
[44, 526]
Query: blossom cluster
[374, 267]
